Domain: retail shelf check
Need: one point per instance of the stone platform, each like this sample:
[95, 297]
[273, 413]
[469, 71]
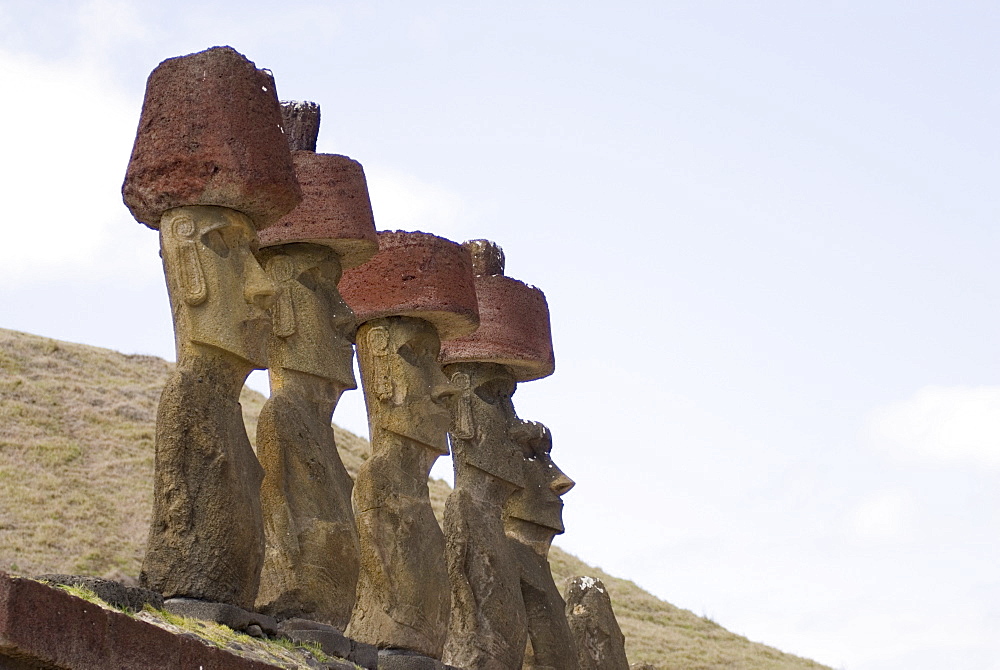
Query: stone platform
[46, 628]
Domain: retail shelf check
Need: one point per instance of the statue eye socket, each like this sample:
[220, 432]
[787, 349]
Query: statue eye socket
[214, 240]
[487, 394]
[409, 354]
[309, 279]
[493, 392]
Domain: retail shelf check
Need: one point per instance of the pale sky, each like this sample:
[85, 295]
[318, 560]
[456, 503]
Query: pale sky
[767, 233]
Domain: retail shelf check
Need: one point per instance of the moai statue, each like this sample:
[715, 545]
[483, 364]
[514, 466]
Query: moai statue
[209, 168]
[532, 517]
[312, 555]
[488, 626]
[600, 644]
[417, 291]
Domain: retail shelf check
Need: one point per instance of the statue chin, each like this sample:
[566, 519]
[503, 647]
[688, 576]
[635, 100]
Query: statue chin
[430, 432]
[247, 342]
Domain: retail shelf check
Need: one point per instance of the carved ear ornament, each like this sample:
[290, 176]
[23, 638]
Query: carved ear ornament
[282, 271]
[464, 428]
[192, 276]
[378, 344]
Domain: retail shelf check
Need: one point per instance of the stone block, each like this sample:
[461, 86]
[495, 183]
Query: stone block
[125, 597]
[210, 134]
[137, 645]
[222, 613]
[45, 627]
[300, 119]
[487, 257]
[392, 659]
[513, 330]
[335, 664]
[600, 644]
[418, 275]
[365, 655]
[296, 623]
[335, 210]
[332, 642]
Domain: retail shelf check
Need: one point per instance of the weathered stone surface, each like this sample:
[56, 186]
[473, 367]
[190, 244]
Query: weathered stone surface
[513, 330]
[44, 627]
[300, 121]
[514, 320]
[492, 448]
[335, 210]
[487, 628]
[336, 664]
[312, 556]
[206, 537]
[298, 623]
[331, 640]
[365, 655]
[600, 644]
[487, 257]
[552, 644]
[419, 275]
[114, 593]
[210, 134]
[406, 392]
[391, 659]
[219, 293]
[236, 618]
[403, 595]
[532, 517]
[403, 592]
[313, 328]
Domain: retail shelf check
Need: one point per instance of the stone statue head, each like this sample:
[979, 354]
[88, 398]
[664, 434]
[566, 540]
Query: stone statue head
[312, 327]
[540, 501]
[484, 423]
[406, 391]
[218, 291]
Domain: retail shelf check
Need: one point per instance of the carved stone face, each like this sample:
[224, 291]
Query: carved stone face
[313, 328]
[540, 501]
[218, 291]
[484, 419]
[406, 391]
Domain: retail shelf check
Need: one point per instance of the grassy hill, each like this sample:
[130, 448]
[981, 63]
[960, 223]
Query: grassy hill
[76, 462]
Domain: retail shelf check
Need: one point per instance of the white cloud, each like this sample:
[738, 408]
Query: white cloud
[67, 142]
[102, 24]
[941, 424]
[884, 515]
[404, 202]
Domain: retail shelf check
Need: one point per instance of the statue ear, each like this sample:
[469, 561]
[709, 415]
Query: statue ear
[464, 428]
[378, 344]
[378, 340]
[192, 277]
[281, 269]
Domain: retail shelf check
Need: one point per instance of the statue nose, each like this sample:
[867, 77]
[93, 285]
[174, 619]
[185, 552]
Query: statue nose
[443, 390]
[561, 484]
[258, 290]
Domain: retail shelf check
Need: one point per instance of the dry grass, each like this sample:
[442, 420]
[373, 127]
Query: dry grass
[76, 461]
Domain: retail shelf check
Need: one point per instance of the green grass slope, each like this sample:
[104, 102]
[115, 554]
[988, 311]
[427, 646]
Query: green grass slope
[76, 462]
